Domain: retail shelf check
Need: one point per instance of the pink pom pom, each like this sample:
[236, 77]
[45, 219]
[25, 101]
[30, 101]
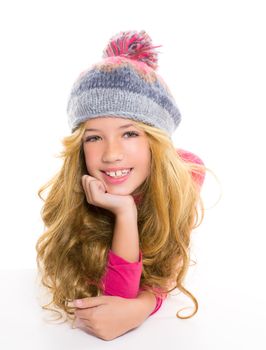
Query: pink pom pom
[133, 45]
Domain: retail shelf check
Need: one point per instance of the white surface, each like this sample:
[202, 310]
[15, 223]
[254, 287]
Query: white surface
[226, 319]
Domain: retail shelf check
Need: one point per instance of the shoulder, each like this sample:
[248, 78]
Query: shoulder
[189, 156]
[193, 158]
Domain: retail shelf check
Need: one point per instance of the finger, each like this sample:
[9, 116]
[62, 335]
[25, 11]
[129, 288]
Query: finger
[94, 188]
[89, 302]
[83, 180]
[83, 321]
[78, 322]
[85, 326]
[88, 329]
[87, 179]
[84, 314]
[85, 183]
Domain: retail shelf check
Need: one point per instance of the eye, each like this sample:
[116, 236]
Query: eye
[88, 139]
[93, 138]
[131, 133]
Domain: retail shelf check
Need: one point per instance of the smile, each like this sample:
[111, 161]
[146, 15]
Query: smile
[117, 179]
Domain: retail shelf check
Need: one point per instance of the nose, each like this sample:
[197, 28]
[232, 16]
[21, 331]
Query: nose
[112, 152]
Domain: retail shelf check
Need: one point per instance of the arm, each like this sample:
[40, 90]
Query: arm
[126, 236]
[158, 298]
[122, 278]
[108, 317]
[124, 265]
[146, 304]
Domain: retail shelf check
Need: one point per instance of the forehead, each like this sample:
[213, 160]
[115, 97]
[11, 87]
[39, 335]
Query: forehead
[108, 122]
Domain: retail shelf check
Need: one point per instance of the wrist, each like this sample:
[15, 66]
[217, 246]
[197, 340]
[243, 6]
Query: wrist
[145, 304]
[127, 212]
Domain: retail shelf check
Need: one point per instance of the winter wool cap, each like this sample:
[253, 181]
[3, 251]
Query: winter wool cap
[124, 84]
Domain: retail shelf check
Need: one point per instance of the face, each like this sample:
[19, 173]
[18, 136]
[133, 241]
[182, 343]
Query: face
[116, 144]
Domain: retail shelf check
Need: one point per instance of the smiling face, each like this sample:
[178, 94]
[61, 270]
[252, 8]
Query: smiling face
[116, 143]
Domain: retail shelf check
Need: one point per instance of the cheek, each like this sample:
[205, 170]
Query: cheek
[90, 160]
[148, 167]
[146, 162]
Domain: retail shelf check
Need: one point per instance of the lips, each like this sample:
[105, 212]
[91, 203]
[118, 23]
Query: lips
[115, 169]
[116, 180]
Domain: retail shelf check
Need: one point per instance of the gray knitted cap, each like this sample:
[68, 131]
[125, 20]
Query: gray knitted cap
[125, 85]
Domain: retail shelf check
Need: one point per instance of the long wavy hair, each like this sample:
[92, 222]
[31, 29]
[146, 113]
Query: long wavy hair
[72, 251]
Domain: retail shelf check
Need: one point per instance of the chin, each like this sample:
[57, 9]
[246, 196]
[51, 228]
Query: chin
[120, 191]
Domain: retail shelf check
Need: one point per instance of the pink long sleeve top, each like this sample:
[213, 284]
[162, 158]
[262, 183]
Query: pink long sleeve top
[122, 278]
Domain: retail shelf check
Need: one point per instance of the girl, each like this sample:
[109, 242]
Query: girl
[120, 212]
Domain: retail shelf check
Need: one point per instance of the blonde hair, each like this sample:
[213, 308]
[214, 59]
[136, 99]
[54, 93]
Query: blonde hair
[72, 252]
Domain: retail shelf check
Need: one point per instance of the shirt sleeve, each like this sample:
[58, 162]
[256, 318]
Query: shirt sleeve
[122, 278]
[159, 302]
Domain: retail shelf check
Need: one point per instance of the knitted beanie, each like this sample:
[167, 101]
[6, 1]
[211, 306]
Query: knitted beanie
[124, 84]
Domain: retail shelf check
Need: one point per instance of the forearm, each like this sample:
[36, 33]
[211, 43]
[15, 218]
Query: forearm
[125, 241]
[145, 304]
[137, 310]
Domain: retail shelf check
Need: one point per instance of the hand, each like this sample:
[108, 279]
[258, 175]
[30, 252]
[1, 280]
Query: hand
[107, 317]
[96, 194]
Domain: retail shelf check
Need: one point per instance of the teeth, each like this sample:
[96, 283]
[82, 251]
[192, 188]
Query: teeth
[118, 173]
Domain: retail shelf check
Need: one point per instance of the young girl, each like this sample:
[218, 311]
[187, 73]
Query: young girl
[120, 212]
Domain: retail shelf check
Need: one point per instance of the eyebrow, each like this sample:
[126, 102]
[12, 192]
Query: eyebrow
[121, 127]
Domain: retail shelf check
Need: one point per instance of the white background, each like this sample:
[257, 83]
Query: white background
[213, 59]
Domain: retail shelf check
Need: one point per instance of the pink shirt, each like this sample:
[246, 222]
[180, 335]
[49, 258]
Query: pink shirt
[122, 278]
